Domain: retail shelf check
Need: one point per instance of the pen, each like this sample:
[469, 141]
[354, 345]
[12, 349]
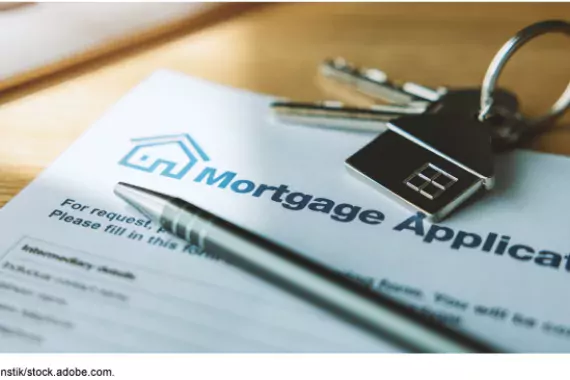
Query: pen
[381, 316]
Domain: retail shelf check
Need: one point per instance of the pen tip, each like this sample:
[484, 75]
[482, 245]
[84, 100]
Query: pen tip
[148, 202]
[121, 186]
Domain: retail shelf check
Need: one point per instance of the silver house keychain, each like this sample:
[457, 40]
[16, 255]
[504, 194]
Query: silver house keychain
[432, 162]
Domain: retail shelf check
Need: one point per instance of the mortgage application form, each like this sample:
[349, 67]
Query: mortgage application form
[82, 271]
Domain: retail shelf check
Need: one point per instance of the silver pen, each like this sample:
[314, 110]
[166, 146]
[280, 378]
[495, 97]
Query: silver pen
[381, 316]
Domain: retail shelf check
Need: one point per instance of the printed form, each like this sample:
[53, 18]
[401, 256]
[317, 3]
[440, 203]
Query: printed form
[82, 271]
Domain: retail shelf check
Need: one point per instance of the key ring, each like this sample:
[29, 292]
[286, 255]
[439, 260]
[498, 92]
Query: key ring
[505, 53]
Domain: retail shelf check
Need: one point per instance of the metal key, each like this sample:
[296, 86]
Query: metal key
[408, 99]
[375, 83]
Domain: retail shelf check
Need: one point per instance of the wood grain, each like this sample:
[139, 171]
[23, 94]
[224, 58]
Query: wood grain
[274, 49]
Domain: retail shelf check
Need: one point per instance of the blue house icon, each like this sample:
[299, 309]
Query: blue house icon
[172, 156]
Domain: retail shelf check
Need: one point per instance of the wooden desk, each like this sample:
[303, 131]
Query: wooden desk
[274, 49]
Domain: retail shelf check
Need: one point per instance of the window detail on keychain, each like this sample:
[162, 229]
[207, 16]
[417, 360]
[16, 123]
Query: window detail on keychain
[430, 181]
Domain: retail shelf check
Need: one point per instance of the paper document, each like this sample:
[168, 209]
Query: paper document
[82, 271]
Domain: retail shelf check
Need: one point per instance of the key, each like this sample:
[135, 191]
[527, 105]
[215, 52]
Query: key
[375, 83]
[337, 115]
[431, 163]
[409, 99]
[505, 127]
[333, 114]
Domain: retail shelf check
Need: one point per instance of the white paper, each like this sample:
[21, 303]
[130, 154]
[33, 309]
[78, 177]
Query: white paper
[69, 287]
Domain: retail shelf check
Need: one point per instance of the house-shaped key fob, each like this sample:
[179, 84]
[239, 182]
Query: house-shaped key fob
[430, 163]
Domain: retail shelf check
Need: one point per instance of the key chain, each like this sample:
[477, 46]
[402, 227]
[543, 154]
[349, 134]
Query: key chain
[436, 159]
[432, 163]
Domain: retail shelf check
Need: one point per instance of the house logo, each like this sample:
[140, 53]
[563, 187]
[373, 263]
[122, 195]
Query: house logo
[170, 156]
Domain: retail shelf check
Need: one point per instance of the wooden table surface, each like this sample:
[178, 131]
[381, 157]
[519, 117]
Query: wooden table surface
[275, 48]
